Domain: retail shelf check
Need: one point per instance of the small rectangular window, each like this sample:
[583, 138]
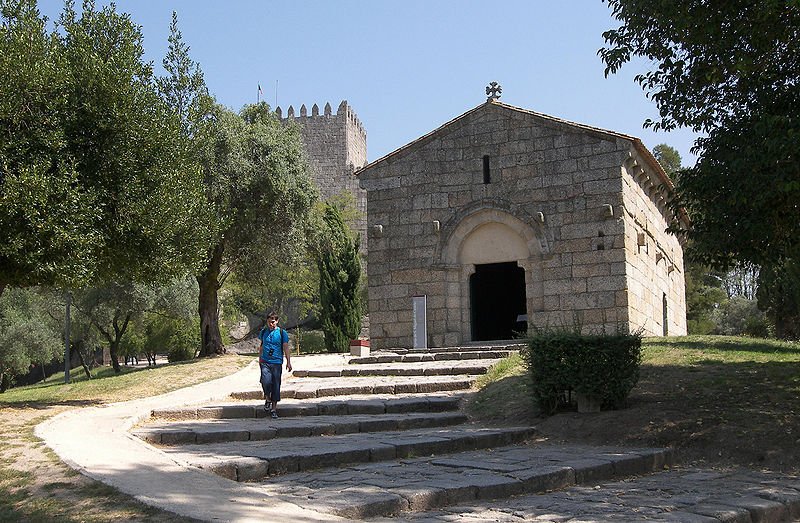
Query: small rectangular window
[487, 176]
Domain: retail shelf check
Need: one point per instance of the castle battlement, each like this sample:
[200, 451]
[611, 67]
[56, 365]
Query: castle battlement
[343, 112]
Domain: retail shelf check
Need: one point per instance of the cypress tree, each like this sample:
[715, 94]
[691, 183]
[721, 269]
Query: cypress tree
[339, 282]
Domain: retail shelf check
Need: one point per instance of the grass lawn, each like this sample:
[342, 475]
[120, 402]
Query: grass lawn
[717, 400]
[34, 484]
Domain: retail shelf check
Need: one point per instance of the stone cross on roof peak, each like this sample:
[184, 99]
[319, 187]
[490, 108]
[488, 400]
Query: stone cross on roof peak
[493, 91]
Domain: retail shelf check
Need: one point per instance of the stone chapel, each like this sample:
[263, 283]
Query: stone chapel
[504, 218]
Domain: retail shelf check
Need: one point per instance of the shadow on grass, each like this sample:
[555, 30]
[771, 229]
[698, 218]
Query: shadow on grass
[508, 401]
[44, 405]
[728, 344]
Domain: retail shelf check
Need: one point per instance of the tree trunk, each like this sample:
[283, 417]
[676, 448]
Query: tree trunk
[83, 363]
[112, 348]
[208, 307]
[119, 332]
[5, 381]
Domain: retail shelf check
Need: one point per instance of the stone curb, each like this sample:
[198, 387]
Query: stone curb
[313, 408]
[442, 356]
[397, 371]
[369, 387]
[462, 348]
[212, 432]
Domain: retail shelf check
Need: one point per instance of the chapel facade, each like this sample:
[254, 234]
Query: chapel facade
[507, 220]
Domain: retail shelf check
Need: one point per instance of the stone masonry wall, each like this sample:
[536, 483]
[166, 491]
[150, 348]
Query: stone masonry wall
[555, 183]
[656, 278]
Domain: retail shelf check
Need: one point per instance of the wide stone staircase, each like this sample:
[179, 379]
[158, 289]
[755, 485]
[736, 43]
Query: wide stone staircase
[381, 436]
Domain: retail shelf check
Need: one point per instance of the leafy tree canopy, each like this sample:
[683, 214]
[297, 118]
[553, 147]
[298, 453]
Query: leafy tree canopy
[28, 334]
[259, 195]
[669, 158]
[728, 68]
[94, 183]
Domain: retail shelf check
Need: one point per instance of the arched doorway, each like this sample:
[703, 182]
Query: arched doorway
[497, 301]
[492, 268]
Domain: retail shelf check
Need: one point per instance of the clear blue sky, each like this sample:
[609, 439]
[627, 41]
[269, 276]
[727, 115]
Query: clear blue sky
[406, 67]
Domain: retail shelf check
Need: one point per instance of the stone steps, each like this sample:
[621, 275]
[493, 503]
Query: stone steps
[373, 404]
[678, 495]
[324, 387]
[250, 461]
[381, 438]
[426, 357]
[403, 368]
[460, 348]
[425, 483]
[230, 430]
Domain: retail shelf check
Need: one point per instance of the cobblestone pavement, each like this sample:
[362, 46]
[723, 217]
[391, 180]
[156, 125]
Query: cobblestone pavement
[681, 494]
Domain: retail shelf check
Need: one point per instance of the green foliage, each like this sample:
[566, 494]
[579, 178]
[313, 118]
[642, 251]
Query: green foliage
[779, 297]
[604, 366]
[260, 196]
[311, 342]
[727, 68]
[113, 309]
[704, 294]
[669, 158]
[94, 183]
[739, 316]
[28, 334]
[340, 282]
[184, 88]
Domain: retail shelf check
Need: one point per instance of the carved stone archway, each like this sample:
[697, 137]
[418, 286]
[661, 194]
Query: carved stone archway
[488, 235]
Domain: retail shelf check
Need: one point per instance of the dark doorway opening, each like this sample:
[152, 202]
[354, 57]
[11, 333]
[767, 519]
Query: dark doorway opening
[497, 301]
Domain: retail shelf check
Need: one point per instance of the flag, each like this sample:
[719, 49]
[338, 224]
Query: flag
[260, 93]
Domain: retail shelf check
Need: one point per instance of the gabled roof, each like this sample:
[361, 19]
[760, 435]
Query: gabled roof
[641, 149]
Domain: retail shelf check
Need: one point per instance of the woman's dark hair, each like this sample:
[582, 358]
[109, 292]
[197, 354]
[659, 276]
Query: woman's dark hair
[272, 316]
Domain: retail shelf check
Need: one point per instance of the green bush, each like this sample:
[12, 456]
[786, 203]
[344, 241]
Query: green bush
[183, 339]
[605, 366]
[312, 342]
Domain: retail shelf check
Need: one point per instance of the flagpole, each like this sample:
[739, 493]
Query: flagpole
[276, 93]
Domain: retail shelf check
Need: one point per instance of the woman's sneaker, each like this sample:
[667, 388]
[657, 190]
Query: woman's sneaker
[274, 414]
[267, 406]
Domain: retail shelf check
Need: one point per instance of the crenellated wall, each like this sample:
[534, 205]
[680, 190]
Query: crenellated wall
[336, 146]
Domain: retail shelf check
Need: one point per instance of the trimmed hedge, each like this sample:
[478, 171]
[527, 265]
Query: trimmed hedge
[605, 366]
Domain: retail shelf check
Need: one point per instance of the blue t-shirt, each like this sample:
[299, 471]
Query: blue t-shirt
[272, 340]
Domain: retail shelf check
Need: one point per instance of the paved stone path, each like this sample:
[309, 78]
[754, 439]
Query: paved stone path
[383, 438]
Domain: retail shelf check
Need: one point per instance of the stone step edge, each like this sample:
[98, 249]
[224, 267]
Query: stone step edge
[362, 373]
[332, 407]
[535, 481]
[347, 390]
[173, 437]
[421, 357]
[253, 468]
[461, 348]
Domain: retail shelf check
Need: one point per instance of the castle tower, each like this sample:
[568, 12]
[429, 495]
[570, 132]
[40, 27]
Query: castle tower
[336, 146]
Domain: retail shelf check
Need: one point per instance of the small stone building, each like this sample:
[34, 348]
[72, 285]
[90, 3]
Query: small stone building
[505, 219]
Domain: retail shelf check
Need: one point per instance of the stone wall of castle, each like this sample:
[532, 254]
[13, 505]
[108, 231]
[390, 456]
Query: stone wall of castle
[336, 146]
